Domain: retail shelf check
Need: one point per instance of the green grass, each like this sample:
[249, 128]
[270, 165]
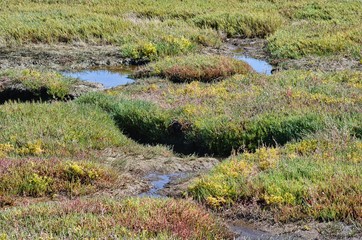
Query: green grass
[62, 129]
[54, 84]
[146, 30]
[58, 128]
[205, 68]
[140, 218]
[319, 28]
[241, 112]
[316, 177]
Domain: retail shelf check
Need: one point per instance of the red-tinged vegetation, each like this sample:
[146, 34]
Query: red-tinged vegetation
[130, 218]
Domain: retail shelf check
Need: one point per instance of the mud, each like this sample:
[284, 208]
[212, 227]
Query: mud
[85, 56]
[249, 221]
[60, 57]
[141, 173]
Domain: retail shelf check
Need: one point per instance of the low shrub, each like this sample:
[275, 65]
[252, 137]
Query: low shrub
[149, 51]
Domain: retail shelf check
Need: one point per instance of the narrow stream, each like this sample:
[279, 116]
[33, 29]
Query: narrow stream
[109, 77]
[159, 182]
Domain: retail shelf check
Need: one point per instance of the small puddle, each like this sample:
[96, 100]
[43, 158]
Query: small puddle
[259, 66]
[108, 77]
[158, 182]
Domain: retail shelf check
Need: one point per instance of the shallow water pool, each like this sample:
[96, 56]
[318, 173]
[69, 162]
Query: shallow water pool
[260, 66]
[109, 77]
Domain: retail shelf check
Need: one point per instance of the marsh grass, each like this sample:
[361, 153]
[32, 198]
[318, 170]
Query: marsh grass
[136, 218]
[143, 29]
[58, 128]
[240, 112]
[54, 84]
[316, 177]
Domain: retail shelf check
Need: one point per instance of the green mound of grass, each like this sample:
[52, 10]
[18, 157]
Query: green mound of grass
[205, 68]
[317, 177]
[54, 84]
[141, 218]
[56, 129]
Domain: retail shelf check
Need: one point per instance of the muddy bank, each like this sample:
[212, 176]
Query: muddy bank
[83, 56]
[11, 90]
[249, 221]
[60, 57]
[315, 63]
[139, 173]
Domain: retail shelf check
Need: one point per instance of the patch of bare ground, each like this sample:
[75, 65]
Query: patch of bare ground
[60, 57]
[335, 63]
[134, 170]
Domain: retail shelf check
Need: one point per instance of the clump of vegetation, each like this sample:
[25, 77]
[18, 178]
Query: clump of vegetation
[34, 129]
[317, 177]
[167, 46]
[140, 218]
[241, 112]
[308, 39]
[245, 25]
[318, 28]
[205, 68]
[54, 84]
[36, 177]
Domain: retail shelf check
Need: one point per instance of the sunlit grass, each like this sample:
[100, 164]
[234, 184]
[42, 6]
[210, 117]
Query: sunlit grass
[317, 177]
[132, 25]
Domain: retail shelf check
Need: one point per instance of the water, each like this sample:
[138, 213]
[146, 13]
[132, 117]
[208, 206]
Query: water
[245, 230]
[158, 182]
[109, 77]
[260, 66]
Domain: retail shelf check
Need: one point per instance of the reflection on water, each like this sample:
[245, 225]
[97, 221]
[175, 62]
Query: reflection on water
[109, 77]
[259, 66]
